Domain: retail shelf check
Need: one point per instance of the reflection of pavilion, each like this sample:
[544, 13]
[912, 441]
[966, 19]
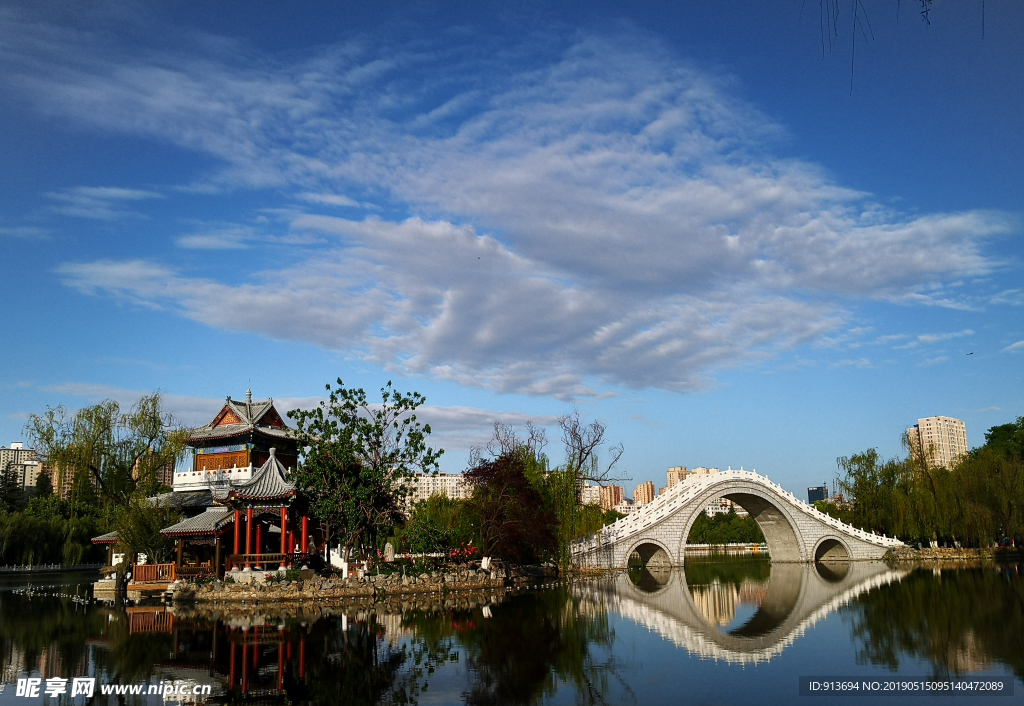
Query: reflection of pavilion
[797, 597]
[246, 655]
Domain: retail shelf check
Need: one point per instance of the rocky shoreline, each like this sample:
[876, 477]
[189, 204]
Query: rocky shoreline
[427, 586]
[909, 554]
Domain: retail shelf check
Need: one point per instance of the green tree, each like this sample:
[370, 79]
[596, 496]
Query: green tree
[138, 528]
[44, 485]
[11, 491]
[358, 459]
[1007, 438]
[441, 524]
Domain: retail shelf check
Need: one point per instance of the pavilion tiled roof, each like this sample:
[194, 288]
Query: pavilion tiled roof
[209, 522]
[249, 414]
[270, 482]
[108, 538]
[183, 500]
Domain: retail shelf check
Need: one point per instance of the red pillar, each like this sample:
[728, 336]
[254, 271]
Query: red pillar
[302, 657]
[284, 536]
[305, 534]
[259, 543]
[238, 529]
[231, 683]
[280, 667]
[248, 536]
[291, 546]
[245, 667]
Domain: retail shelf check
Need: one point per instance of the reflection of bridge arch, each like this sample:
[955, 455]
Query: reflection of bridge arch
[798, 597]
[793, 530]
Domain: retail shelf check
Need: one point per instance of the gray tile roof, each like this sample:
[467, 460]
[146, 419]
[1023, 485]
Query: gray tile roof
[227, 430]
[268, 483]
[250, 413]
[108, 538]
[184, 500]
[204, 523]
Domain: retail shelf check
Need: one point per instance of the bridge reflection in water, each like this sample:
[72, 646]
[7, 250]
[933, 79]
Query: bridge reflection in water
[793, 599]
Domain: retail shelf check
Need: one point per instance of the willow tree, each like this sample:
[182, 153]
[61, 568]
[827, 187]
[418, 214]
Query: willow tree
[116, 452]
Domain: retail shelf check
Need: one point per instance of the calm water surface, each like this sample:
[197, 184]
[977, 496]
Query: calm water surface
[726, 632]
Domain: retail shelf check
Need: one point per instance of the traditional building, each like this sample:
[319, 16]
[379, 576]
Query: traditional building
[241, 510]
[235, 443]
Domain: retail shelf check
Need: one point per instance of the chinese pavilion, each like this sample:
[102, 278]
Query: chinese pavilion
[239, 499]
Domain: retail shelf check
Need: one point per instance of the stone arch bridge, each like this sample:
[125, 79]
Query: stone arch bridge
[794, 530]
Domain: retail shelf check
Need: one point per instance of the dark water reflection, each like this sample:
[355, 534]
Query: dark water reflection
[612, 640]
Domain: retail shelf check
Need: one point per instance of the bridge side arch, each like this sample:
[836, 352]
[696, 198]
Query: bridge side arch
[770, 511]
[832, 548]
[654, 554]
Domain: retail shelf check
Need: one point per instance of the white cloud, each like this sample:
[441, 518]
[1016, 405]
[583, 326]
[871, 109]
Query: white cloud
[614, 217]
[224, 238]
[927, 339]
[99, 202]
[1011, 297]
[934, 361]
[1018, 346]
[858, 363]
[25, 232]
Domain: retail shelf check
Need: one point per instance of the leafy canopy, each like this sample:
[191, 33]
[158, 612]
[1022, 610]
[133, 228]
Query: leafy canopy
[358, 459]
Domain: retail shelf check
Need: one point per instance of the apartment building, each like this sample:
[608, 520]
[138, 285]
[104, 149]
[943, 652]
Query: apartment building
[611, 495]
[643, 494]
[452, 485]
[941, 440]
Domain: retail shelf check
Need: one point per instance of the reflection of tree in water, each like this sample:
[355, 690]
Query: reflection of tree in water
[528, 645]
[360, 665]
[46, 633]
[959, 620]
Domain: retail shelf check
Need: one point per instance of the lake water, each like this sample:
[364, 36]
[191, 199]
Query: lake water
[718, 632]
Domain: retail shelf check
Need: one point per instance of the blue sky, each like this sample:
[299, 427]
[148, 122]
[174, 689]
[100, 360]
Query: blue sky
[673, 216]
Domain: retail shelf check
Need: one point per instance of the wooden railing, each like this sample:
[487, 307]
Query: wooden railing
[268, 560]
[153, 573]
[143, 621]
[193, 572]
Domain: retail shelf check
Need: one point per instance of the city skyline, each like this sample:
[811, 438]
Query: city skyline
[679, 220]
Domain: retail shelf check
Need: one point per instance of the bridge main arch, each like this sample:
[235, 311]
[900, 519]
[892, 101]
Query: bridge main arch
[780, 528]
[794, 531]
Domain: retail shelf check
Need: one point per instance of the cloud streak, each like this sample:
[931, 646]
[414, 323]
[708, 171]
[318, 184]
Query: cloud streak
[613, 217]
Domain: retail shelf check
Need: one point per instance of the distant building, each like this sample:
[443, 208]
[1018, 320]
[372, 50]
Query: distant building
[17, 453]
[720, 506]
[816, 494]
[590, 495]
[942, 441]
[625, 507]
[701, 471]
[676, 474]
[643, 494]
[27, 472]
[450, 485]
[611, 495]
[661, 491]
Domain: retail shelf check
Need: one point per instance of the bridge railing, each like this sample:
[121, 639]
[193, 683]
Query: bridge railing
[666, 504]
